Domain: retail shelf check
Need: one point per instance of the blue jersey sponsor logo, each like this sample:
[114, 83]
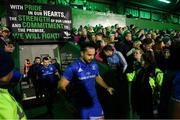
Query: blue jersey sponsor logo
[87, 77]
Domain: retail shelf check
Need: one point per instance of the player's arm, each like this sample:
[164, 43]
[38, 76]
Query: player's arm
[101, 82]
[57, 73]
[63, 83]
[65, 79]
[123, 61]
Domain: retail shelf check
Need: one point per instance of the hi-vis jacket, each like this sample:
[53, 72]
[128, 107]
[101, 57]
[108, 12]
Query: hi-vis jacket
[9, 108]
[154, 81]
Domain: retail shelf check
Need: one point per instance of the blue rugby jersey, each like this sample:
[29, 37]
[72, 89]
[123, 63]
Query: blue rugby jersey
[176, 84]
[47, 73]
[82, 76]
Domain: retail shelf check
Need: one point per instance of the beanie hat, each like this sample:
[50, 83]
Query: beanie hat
[147, 41]
[5, 29]
[166, 39]
[6, 63]
[126, 32]
[108, 48]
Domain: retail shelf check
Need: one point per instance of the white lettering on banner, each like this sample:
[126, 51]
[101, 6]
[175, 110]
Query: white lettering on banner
[53, 14]
[16, 7]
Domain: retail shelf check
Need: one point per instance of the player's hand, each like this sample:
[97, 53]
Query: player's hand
[110, 90]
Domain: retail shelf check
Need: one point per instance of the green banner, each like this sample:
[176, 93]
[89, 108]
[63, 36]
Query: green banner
[37, 23]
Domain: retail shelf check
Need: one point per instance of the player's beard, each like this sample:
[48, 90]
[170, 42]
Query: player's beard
[88, 61]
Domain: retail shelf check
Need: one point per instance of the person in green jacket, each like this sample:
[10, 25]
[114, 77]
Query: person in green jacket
[9, 108]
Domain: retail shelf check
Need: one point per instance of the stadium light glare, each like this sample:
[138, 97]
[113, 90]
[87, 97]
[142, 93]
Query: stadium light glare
[165, 1]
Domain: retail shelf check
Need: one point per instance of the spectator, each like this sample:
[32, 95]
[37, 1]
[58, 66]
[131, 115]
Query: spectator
[83, 38]
[126, 45]
[27, 66]
[57, 65]
[167, 41]
[115, 58]
[9, 108]
[159, 53]
[147, 44]
[5, 44]
[146, 88]
[117, 67]
[137, 63]
[136, 45]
